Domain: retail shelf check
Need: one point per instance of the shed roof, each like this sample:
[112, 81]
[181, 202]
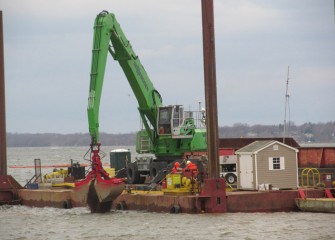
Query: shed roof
[256, 146]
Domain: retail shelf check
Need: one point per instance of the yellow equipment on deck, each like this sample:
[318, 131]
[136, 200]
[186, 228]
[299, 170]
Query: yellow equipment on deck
[56, 176]
[180, 185]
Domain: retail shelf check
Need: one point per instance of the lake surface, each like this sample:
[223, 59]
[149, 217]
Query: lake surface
[21, 222]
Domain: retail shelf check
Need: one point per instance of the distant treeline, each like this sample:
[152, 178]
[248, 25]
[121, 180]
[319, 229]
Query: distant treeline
[307, 132]
[61, 140]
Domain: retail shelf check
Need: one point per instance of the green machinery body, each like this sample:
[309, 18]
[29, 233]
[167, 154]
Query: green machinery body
[167, 131]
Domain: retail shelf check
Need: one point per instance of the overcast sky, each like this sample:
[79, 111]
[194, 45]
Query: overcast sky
[48, 53]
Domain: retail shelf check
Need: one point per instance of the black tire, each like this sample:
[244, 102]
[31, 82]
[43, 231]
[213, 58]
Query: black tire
[158, 171]
[175, 209]
[231, 178]
[133, 175]
[154, 168]
[67, 204]
[121, 206]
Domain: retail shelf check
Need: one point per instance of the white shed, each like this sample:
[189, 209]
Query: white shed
[267, 162]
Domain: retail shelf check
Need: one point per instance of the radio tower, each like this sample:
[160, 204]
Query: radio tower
[287, 108]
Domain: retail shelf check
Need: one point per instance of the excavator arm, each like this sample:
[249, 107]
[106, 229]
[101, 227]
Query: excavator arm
[109, 38]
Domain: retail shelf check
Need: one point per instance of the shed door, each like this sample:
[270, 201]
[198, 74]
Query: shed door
[246, 172]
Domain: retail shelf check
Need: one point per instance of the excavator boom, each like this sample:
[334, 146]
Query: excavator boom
[107, 30]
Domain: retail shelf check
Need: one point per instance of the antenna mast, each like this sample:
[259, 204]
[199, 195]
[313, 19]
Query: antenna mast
[287, 105]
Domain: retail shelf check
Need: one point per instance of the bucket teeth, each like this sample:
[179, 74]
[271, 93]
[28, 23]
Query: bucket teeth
[100, 196]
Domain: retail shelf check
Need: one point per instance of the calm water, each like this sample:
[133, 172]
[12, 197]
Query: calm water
[20, 222]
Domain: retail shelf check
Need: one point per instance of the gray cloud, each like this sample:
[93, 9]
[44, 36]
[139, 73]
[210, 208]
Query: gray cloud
[48, 53]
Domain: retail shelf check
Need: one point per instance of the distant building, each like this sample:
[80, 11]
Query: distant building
[317, 155]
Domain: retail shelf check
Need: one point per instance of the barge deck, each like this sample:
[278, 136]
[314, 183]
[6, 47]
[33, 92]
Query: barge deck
[241, 201]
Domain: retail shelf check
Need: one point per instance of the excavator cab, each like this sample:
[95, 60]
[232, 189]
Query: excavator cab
[164, 120]
[171, 122]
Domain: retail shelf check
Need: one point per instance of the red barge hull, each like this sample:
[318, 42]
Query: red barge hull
[244, 201]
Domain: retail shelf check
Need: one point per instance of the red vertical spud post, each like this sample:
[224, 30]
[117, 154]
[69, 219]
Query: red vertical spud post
[3, 144]
[214, 186]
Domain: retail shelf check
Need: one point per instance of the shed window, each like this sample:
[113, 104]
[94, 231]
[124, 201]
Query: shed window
[276, 163]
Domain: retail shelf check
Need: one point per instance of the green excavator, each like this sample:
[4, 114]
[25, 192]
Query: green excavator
[170, 131]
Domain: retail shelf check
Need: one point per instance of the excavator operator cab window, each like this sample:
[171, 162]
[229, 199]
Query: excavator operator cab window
[178, 119]
[170, 120]
[164, 120]
[177, 116]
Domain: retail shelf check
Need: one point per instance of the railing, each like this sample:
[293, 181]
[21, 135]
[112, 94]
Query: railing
[198, 116]
[309, 173]
[37, 178]
[145, 144]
